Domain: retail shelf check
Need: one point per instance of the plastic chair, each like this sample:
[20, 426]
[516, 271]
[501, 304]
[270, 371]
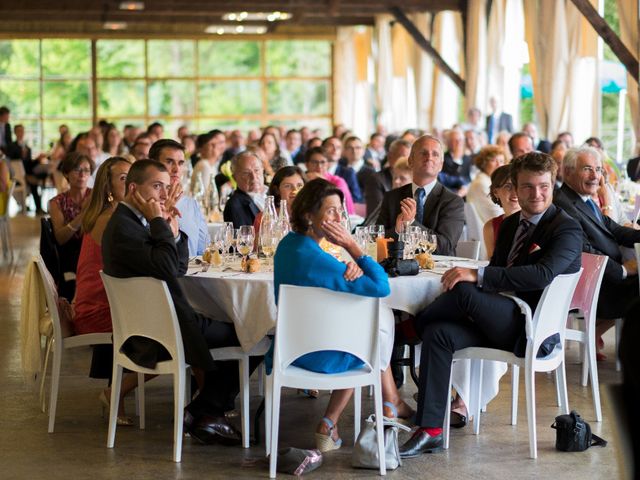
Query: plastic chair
[315, 319]
[57, 344]
[142, 306]
[474, 228]
[236, 353]
[550, 318]
[468, 249]
[585, 300]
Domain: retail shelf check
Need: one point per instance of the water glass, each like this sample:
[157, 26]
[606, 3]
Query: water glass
[246, 238]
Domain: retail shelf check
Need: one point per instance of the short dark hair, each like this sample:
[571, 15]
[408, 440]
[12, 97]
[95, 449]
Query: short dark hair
[515, 136]
[73, 160]
[537, 162]
[159, 145]
[154, 125]
[4, 110]
[499, 177]
[594, 140]
[309, 200]
[281, 174]
[76, 140]
[203, 139]
[138, 171]
[313, 151]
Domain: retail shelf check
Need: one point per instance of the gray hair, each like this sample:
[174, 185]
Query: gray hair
[571, 157]
[235, 161]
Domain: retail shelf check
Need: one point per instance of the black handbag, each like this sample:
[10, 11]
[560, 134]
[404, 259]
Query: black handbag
[395, 265]
[573, 434]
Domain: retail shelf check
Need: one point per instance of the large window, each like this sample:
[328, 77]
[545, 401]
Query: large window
[201, 83]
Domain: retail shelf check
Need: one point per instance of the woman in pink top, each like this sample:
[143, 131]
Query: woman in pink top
[317, 163]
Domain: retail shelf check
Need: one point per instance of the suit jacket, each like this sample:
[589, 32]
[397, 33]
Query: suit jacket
[443, 215]
[8, 139]
[505, 122]
[454, 176]
[633, 169]
[129, 249]
[240, 209]
[544, 146]
[349, 176]
[375, 188]
[600, 238]
[363, 176]
[553, 248]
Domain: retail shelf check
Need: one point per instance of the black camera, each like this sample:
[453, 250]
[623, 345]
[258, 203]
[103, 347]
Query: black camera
[395, 265]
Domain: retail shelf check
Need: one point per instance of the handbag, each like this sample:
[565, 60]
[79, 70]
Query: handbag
[365, 450]
[573, 434]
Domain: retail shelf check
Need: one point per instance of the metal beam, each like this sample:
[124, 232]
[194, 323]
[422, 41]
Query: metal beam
[427, 47]
[603, 29]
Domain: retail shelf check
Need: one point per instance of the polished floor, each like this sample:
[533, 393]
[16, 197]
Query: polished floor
[77, 448]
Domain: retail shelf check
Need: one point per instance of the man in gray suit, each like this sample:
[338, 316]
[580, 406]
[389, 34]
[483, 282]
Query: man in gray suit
[425, 202]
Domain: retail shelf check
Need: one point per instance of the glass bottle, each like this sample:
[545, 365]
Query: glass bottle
[211, 199]
[283, 219]
[345, 220]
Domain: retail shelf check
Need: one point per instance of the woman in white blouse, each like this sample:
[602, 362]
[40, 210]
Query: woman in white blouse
[487, 160]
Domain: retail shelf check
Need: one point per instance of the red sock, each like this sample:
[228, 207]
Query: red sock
[432, 432]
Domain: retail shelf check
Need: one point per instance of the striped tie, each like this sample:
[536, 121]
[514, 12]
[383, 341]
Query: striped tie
[518, 241]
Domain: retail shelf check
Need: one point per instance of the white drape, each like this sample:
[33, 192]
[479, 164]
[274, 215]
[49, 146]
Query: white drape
[384, 70]
[628, 15]
[423, 72]
[476, 67]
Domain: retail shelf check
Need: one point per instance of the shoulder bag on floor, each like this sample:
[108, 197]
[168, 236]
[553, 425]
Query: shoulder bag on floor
[573, 434]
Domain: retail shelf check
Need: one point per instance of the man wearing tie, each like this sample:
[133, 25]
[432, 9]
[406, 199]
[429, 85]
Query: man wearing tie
[601, 235]
[425, 202]
[497, 121]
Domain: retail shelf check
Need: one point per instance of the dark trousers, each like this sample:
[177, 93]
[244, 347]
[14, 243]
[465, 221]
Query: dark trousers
[462, 317]
[222, 383]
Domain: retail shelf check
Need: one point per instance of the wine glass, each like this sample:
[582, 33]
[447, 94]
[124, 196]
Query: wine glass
[431, 242]
[227, 238]
[376, 231]
[361, 236]
[269, 238]
[246, 237]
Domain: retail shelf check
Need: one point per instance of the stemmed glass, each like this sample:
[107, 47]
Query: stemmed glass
[361, 237]
[375, 232]
[227, 239]
[246, 237]
[269, 238]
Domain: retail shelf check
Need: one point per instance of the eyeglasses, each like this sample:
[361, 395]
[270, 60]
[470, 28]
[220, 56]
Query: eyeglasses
[589, 169]
[507, 186]
[80, 170]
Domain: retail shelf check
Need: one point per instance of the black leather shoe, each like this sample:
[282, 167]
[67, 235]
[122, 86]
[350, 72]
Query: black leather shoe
[211, 430]
[420, 443]
[458, 420]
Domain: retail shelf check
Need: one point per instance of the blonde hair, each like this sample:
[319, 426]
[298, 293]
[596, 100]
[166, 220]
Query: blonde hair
[99, 200]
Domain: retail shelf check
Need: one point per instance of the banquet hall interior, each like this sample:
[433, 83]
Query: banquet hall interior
[282, 80]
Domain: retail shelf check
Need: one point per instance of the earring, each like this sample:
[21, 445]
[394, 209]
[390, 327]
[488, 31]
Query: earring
[110, 198]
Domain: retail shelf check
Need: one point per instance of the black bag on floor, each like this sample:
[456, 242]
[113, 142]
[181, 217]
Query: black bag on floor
[573, 434]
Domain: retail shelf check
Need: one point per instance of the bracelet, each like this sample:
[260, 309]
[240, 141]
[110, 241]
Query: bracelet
[70, 227]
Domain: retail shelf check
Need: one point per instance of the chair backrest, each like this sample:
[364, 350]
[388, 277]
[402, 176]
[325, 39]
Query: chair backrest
[142, 306]
[49, 249]
[586, 295]
[468, 249]
[474, 228]
[312, 319]
[51, 295]
[550, 316]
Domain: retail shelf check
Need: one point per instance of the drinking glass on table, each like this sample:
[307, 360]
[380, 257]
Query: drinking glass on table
[227, 238]
[246, 237]
[361, 237]
[269, 239]
[375, 232]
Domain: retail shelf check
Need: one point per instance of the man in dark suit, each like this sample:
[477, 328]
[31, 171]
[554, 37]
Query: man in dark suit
[142, 239]
[497, 121]
[539, 144]
[332, 147]
[425, 202]
[633, 169]
[532, 248]
[5, 129]
[248, 199]
[354, 156]
[456, 170]
[380, 183]
[601, 235]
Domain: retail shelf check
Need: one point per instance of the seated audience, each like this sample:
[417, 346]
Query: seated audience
[237, 145]
[375, 153]
[487, 160]
[299, 260]
[471, 311]
[519, 144]
[456, 169]
[354, 156]
[502, 193]
[426, 202]
[248, 199]
[558, 151]
[112, 145]
[271, 148]
[210, 149]
[317, 164]
[376, 185]
[67, 211]
[539, 144]
[332, 147]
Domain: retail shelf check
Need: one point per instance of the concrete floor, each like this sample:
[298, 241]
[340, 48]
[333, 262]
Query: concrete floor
[77, 448]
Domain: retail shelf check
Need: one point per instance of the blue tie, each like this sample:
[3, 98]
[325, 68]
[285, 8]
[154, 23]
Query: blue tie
[592, 205]
[419, 196]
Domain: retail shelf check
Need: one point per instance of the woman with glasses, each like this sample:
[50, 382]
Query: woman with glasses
[67, 211]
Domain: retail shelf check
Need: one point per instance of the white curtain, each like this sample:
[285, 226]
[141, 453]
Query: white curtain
[384, 71]
[446, 95]
[476, 67]
[423, 72]
[628, 15]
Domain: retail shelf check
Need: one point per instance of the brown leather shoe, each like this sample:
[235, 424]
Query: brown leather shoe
[211, 430]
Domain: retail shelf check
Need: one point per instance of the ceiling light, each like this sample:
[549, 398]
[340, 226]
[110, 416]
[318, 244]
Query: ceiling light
[256, 16]
[236, 29]
[115, 25]
[131, 6]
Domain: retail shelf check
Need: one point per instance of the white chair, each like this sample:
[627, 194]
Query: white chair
[585, 301]
[236, 353]
[550, 318]
[57, 343]
[474, 228]
[468, 249]
[315, 319]
[142, 306]
[5, 227]
[19, 176]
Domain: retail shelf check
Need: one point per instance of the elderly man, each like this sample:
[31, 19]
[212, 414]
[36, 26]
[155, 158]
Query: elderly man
[248, 199]
[380, 183]
[425, 202]
[532, 248]
[601, 235]
[456, 170]
[142, 238]
[519, 144]
[191, 221]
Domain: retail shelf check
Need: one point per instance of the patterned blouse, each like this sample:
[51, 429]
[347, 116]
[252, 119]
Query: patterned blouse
[69, 208]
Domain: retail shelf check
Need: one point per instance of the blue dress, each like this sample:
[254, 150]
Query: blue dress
[300, 261]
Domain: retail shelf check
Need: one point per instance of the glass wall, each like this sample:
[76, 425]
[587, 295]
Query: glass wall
[200, 83]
